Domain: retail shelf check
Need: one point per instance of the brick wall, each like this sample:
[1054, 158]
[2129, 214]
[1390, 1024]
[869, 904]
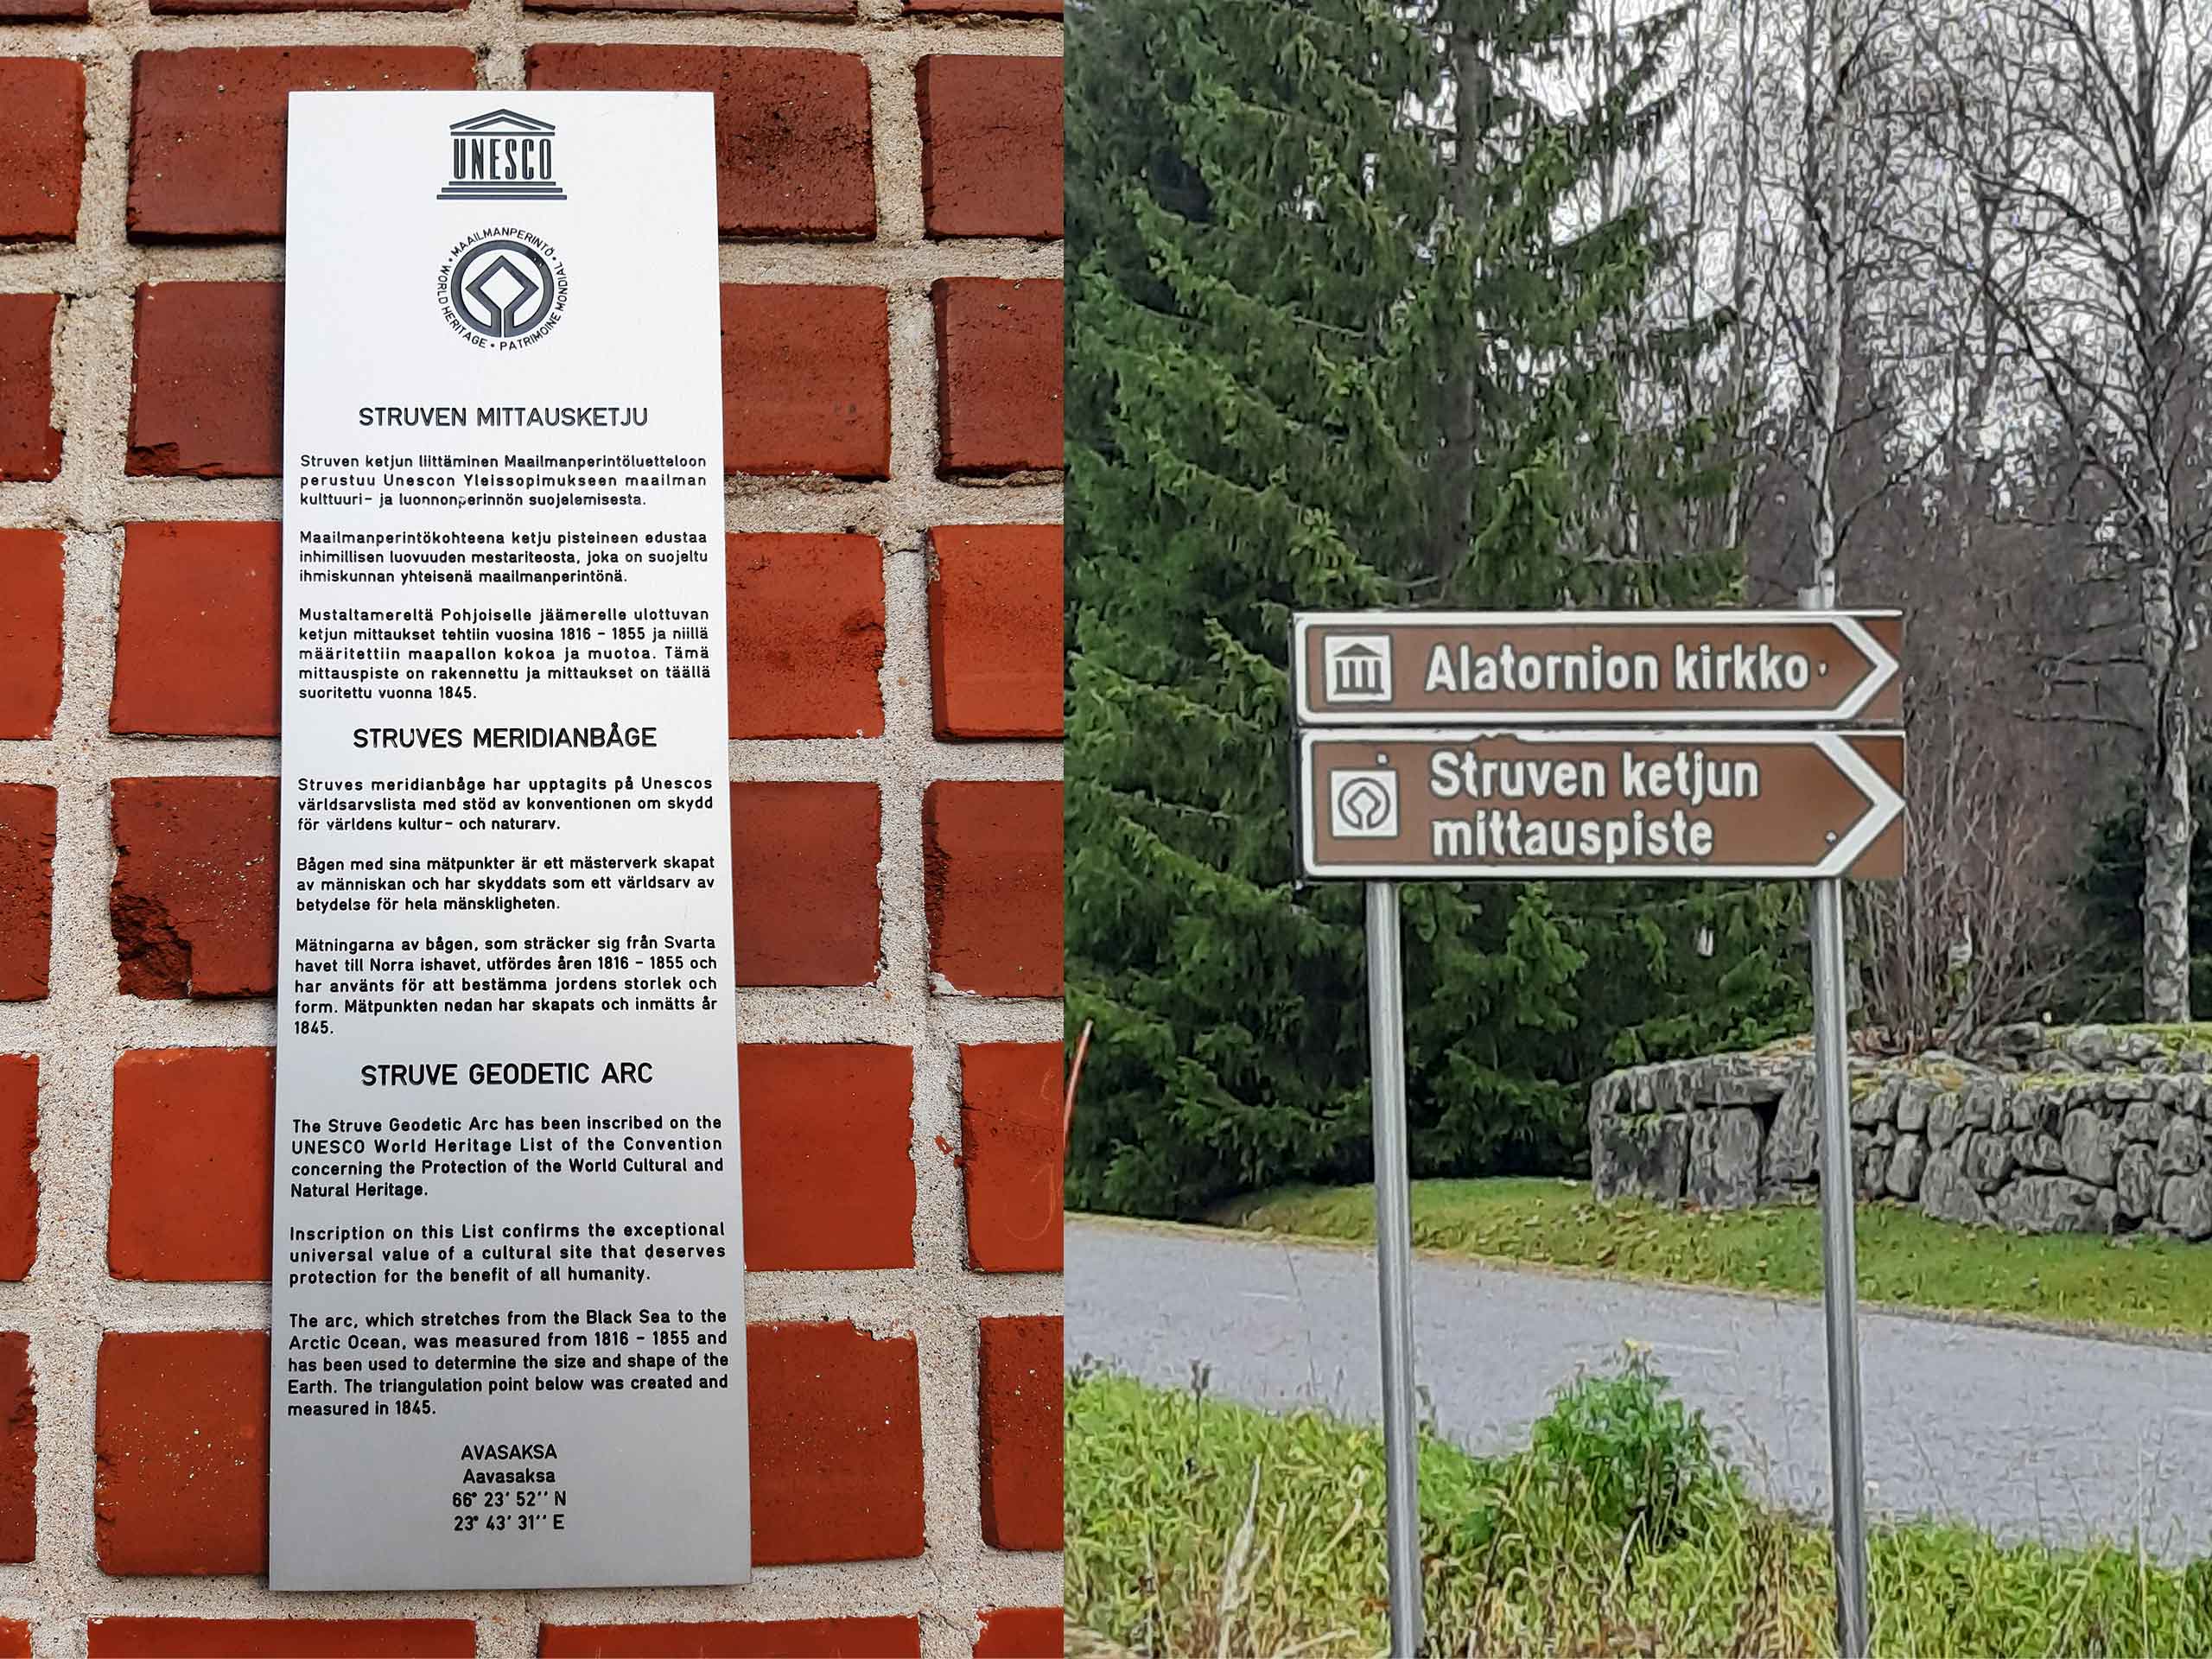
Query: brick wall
[890, 206]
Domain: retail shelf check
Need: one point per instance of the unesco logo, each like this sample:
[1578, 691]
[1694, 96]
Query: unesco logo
[1364, 804]
[502, 289]
[502, 156]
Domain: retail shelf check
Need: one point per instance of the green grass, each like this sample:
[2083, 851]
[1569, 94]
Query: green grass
[1527, 1557]
[2139, 1282]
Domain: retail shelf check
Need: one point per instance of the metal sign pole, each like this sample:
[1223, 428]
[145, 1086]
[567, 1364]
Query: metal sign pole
[1839, 1271]
[1754, 723]
[1838, 1256]
[1394, 1255]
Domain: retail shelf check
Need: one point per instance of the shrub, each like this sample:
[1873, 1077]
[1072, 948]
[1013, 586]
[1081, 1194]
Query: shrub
[1620, 1448]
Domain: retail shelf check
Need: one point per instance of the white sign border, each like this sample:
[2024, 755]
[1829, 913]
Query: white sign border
[1884, 805]
[1850, 624]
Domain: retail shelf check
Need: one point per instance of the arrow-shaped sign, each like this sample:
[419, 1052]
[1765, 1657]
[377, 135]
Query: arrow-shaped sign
[1367, 668]
[1388, 804]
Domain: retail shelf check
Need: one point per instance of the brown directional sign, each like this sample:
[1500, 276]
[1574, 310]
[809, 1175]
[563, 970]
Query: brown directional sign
[1758, 668]
[1388, 804]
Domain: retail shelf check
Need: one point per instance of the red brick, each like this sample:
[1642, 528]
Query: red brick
[802, 882]
[999, 346]
[18, 1450]
[836, 1438]
[793, 157]
[18, 1179]
[991, 148]
[198, 634]
[43, 138]
[30, 632]
[829, 1167]
[194, 1129]
[807, 380]
[1017, 1633]
[782, 1638]
[992, 880]
[758, 8]
[201, 8]
[14, 1633]
[181, 1434]
[1020, 1368]
[210, 368]
[30, 448]
[995, 661]
[805, 636]
[993, 8]
[1010, 1108]
[207, 124]
[281, 1638]
[193, 904]
[42, 11]
[26, 890]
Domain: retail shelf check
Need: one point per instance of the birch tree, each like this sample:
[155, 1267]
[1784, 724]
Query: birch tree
[2086, 125]
[1846, 183]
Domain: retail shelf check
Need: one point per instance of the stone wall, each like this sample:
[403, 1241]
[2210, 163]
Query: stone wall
[2091, 1128]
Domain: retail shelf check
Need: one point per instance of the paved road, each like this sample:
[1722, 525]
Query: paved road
[2022, 1432]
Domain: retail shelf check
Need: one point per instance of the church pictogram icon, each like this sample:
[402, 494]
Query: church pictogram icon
[1356, 668]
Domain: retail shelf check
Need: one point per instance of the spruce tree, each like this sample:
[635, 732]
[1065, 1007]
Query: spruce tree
[2107, 982]
[1282, 289]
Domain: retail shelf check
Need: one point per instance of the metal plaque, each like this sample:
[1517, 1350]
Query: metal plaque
[1390, 804]
[507, 1338]
[1565, 668]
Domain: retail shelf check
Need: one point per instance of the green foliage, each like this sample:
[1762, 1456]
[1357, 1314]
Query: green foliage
[1517, 1564]
[2108, 984]
[1619, 1445]
[1271, 296]
[2135, 1282]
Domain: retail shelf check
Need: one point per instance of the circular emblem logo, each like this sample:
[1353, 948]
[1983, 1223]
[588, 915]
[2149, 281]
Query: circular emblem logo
[503, 289]
[1364, 804]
